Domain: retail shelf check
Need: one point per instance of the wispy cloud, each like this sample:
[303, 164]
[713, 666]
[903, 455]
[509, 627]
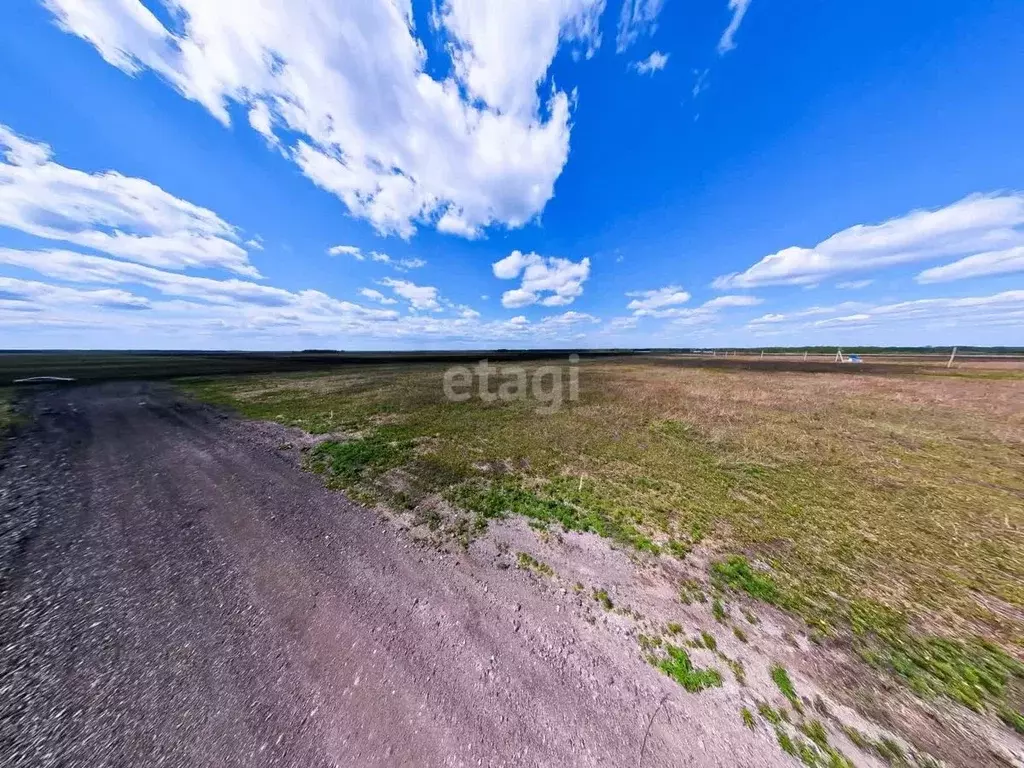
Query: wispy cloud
[375, 295]
[638, 17]
[1005, 308]
[657, 299]
[1002, 262]
[123, 216]
[402, 265]
[347, 250]
[720, 302]
[978, 224]
[854, 285]
[739, 10]
[418, 296]
[653, 63]
[700, 84]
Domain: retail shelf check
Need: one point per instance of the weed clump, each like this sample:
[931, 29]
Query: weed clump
[690, 592]
[815, 731]
[601, 596]
[529, 563]
[781, 679]
[718, 611]
[786, 742]
[737, 670]
[769, 713]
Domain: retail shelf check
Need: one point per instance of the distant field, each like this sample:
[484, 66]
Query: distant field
[96, 366]
[887, 511]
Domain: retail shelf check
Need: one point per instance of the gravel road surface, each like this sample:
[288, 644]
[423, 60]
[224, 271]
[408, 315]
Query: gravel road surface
[175, 592]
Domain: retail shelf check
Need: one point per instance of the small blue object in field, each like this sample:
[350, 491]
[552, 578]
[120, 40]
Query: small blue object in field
[853, 359]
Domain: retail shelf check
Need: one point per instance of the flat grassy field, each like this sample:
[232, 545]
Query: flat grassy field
[887, 511]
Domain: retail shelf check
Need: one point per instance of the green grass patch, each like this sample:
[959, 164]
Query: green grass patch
[348, 463]
[678, 666]
[769, 713]
[974, 673]
[553, 506]
[736, 572]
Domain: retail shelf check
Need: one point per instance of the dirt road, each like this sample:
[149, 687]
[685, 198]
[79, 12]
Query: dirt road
[174, 591]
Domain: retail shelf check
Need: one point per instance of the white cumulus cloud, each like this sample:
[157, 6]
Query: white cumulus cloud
[547, 280]
[347, 83]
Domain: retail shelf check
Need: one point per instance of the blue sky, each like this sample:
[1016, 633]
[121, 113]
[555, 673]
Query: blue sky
[470, 173]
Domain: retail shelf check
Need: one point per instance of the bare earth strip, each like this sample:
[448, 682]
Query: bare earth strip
[176, 592]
